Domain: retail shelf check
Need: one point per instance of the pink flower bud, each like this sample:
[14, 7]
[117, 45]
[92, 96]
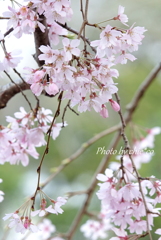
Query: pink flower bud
[104, 111]
[27, 222]
[115, 105]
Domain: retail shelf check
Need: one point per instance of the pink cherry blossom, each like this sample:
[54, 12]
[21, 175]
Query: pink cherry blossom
[14, 17]
[70, 48]
[56, 129]
[46, 228]
[21, 218]
[11, 59]
[158, 231]
[54, 32]
[121, 16]
[95, 230]
[129, 192]
[124, 57]
[109, 36]
[51, 88]
[56, 206]
[48, 54]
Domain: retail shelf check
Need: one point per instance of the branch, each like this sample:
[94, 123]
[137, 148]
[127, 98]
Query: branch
[10, 90]
[127, 147]
[131, 107]
[79, 152]
[41, 38]
[46, 151]
[90, 191]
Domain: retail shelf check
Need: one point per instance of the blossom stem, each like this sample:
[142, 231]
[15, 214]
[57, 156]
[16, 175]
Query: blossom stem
[47, 147]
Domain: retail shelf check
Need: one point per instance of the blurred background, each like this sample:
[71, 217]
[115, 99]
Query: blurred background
[20, 182]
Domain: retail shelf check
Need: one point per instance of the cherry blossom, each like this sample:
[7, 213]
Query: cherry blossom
[56, 129]
[55, 31]
[48, 54]
[11, 59]
[95, 230]
[23, 20]
[70, 48]
[55, 208]
[158, 231]
[21, 218]
[25, 133]
[121, 16]
[46, 228]
[122, 234]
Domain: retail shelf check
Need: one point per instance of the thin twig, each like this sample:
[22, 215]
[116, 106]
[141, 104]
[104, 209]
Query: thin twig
[127, 147]
[37, 100]
[18, 86]
[47, 147]
[79, 152]
[90, 191]
[4, 18]
[81, 8]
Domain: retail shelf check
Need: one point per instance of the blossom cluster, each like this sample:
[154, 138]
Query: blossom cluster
[127, 205]
[21, 219]
[87, 79]
[24, 133]
[124, 202]
[96, 229]
[46, 230]
[26, 18]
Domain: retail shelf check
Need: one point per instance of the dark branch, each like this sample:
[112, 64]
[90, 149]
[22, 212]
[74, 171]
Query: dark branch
[10, 90]
[41, 38]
